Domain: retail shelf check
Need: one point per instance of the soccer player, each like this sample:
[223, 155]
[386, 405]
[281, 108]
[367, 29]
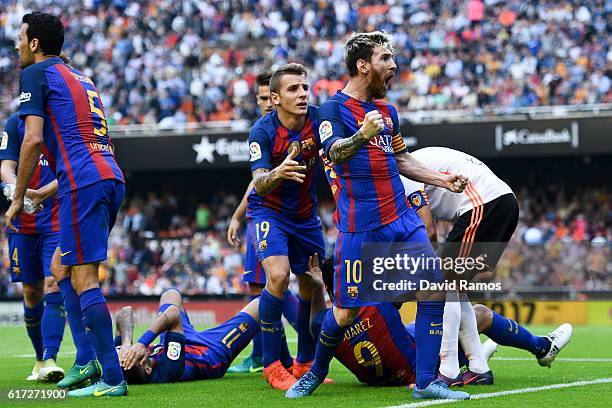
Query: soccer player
[30, 252]
[380, 350]
[284, 147]
[361, 136]
[183, 354]
[64, 118]
[254, 274]
[487, 211]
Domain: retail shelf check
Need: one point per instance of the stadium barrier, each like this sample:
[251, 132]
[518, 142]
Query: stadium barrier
[203, 148]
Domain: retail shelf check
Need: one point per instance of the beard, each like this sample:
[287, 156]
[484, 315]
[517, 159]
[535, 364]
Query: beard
[377, 88]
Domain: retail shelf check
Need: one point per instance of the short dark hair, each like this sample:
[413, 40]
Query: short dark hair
[48, 29]
[262, 79]
[361, 46]
[136, 375]
[287, 69]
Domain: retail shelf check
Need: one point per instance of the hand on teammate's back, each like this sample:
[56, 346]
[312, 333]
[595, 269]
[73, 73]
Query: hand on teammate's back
[289, 169]
[373, 124]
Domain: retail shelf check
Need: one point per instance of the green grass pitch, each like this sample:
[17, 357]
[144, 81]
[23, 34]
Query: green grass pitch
[587, 357]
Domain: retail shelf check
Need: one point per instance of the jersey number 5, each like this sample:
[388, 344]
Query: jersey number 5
[92, 96]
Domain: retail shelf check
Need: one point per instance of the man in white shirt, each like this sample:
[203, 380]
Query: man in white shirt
[485, 216]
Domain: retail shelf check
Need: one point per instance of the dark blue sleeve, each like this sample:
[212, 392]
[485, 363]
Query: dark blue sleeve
[9, 144]
[171, 365]
[33, 92]
[331, 127]
[395, 119]
[317, 323]
[259, 149]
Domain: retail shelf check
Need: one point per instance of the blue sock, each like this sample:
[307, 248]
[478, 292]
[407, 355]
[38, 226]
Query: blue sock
[97, 319]
[285, 354]
[463, 360]
[85, 352]
[32, 317]
[290, 308]
[270, 312]
[428, 336]
[53, 324]
[306, 344]
[329, 340]
[257, 348]
[507, 332]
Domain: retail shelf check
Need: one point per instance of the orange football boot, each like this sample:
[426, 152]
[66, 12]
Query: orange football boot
[278, 376]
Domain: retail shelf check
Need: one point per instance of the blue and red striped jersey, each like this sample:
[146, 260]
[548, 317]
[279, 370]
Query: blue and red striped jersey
[76, 140]
[371, 191]
[47, 219]
[333, 181]
[200, 364]
[269, 144]
[378, 349]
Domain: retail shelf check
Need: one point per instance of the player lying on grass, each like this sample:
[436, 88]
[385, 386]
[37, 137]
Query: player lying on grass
[183, 353]
[380, 350]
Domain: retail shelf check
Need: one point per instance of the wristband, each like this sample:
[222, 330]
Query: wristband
[147, 338]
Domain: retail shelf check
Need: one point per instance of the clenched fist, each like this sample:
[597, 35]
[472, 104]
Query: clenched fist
[373, 124]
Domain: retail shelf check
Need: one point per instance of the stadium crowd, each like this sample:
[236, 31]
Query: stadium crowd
[176, 61]
[157, 243]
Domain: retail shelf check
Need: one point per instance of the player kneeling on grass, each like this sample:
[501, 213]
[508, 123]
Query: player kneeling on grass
[183, 353]
[380, 350]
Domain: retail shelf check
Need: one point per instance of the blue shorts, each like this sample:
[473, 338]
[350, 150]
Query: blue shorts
[298, 240]
[348, 282]
[31, 255]
[220, 345]
[253, 270]
[86, 217]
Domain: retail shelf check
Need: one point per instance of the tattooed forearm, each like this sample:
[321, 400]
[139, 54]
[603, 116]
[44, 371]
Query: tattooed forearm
[265, 181]
[125, 325]
[344, 149]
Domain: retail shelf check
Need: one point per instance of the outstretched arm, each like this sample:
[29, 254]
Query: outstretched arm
[415, 170]
[265, 180]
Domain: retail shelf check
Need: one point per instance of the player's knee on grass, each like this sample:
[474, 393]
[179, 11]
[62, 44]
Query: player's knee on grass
[32, 294]
[484, 317]
[51, 285]
[344, 317]
[173, 297]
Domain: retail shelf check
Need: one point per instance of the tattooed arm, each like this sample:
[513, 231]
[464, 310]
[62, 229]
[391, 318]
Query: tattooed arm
[265, 180]
[343, 149]
[125, 325]
[169, 321]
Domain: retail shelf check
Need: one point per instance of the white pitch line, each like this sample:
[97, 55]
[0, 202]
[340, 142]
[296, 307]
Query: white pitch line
[573, 360]
[509, 392]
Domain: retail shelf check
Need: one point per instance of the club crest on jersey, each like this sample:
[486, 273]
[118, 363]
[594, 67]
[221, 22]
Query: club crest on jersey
[263, 244]
[325, 130]
[174, 350]
[294, 145]
[352, 292]
[308, 144]
[389, 123]
[255, 151]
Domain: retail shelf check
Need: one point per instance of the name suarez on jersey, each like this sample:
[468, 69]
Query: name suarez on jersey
[361, 327]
